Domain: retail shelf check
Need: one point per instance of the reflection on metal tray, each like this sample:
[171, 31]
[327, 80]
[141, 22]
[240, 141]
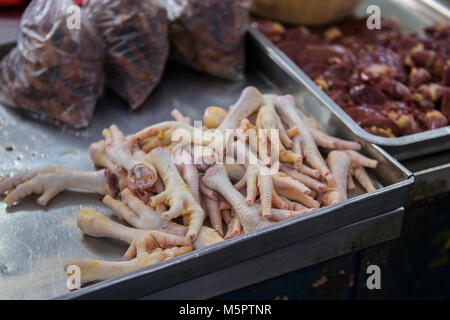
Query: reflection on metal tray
[414, 16]
[36, 241]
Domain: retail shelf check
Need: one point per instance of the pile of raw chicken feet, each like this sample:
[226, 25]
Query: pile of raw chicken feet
[180, 195]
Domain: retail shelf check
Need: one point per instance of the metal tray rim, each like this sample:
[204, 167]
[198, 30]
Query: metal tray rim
[437, 7]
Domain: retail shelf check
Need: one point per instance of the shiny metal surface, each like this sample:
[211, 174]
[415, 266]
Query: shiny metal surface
[414, 16]
[35, 241]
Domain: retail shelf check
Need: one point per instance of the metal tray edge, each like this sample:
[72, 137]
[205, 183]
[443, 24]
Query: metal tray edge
[437, 7]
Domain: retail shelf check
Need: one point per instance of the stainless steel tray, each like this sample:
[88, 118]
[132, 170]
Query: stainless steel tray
[414, 16]
[35, 241]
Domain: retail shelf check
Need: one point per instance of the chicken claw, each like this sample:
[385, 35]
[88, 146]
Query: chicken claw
[178, 116]
[339, 163]
[286, 108]
[324, 140]
[49, 181]
[363, 178]
[234, 226]
[97, 153]
[141, 216]
[137, 214]
[358, 160]
[248, 102]
[177, 194]
[268, 119]
[217, 179]
[304, 179]
[215, 218]
[257, 178]
[188, 171]
[95, 270]
[95, 224]
[125, 152]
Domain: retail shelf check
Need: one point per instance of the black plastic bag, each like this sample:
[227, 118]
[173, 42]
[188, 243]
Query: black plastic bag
[55, 71]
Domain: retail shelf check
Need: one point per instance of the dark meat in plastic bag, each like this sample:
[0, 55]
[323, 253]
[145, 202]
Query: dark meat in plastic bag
[135, 34]
[54, 72]
[208, 35]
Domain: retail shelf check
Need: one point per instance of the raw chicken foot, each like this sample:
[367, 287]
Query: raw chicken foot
[176, 195]
[141, 216]
[49, 181]
[125, 152]
[286, 108]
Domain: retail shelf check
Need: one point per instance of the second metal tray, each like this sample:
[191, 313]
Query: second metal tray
[414, 16]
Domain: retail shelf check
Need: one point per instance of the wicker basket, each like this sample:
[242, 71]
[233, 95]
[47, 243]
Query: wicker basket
[308, 12]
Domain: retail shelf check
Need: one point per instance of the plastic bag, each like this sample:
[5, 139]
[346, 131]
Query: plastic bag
[135, 34]
[208, 35]
[55, 71]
